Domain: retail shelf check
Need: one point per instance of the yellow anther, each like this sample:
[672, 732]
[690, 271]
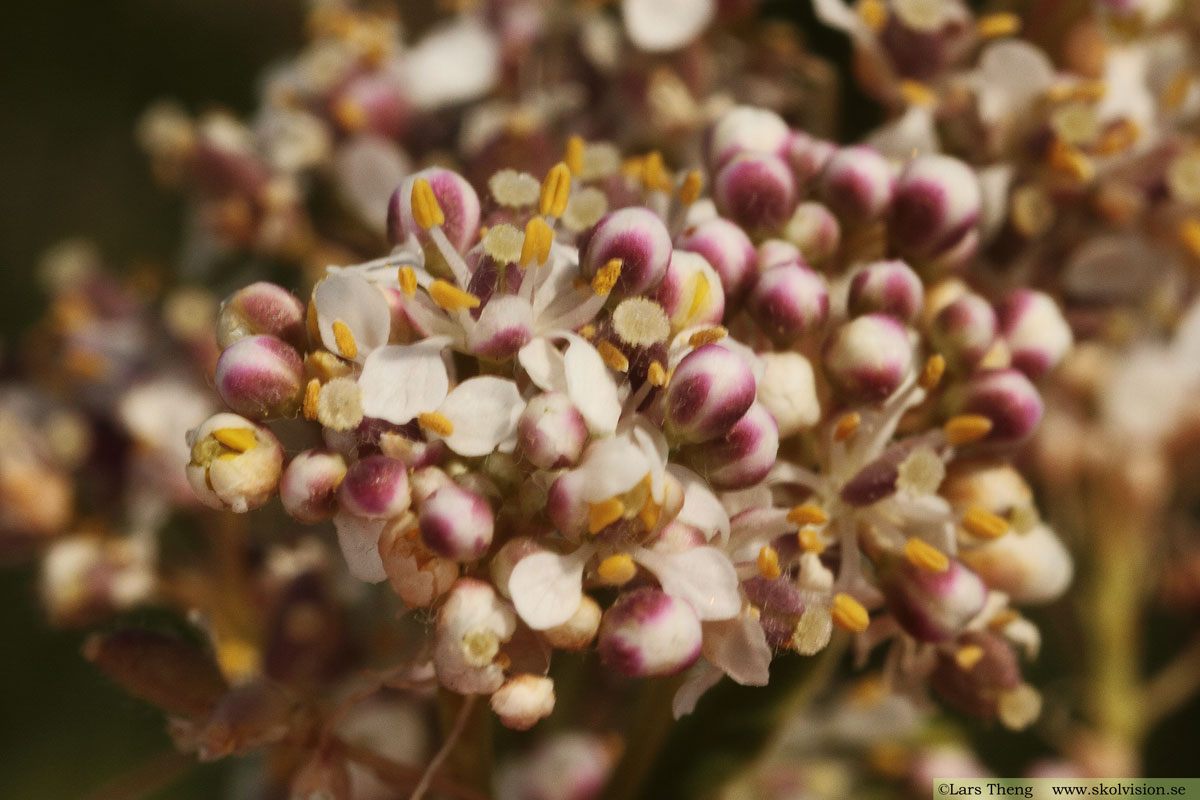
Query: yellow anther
[807, 514]
[425, 209]
[874, 13]
[654, 173]
[617, 570]
[350, 115]
[931, 373]
[603, 514]
[574, 155]
[238, 659]
[916, 93]
[587, 331]
[811, 541]
[1189, 235]
[556, 189]
[634, 166]
[983, 524]
[925, 556]
[701, 294]
[1118, 138]
[538, 238]
[966, 428]
[1003, 620]
[606, 277]
[325, 365]
[1071, 161]
[407, 277]
[693, 184]
[768, 563]
[438, 423]
[344, 339]
[968, 656]
[993, 26]
[613, 357]
[450, 297]
[707, 336]
[849, 614]
[1176, 90]
[239, 439]
[311, 392]
[649, 513]
[656, 374]
[847, 426]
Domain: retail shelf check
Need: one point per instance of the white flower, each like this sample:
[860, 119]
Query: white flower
[662, 25]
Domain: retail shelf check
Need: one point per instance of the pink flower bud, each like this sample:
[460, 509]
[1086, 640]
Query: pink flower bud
[727, 249]
[937, 202]
[262, 308]
[648, 633]
[372, 102]
[235, 463]
[457, 523]
[742, 457]
[261, 377]
[551, 431]
[566, 506]
[711, 389]
[788, 301]
[375, 487]
[868, 357]
[977, 691]
[523, 700]
[815, 230]
[887, 287]
[1033, 326]
[857, 184]
[1008, 399]
[932, 606]
[692, 293]
[458, 201]
[755, 190]
[308, 488]
[964, 330]
[808, 156]
[747, 129]
[637, 237]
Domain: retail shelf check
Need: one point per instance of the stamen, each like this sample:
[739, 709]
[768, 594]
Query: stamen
[925, 556]
[981, 523]
[916, 93]
[438, 423]
[874, 13]
[931, 373]
[693, 184]
[847, 426]
[707, 336]
[768, 563]
[617, 570]
[344, 339]
[1032, 211]
[966, 428]
[1071, 162]
[536, 246]
[585, 208]
[504, 243]
[921, 473]
[656, 375]
[849, 614]
[606, 277]
[425, 208]
[993, 26]
[601, 515]
[807, 514]
[641, 322]
[556, 189]
[339, 405]
[613, 357]
[587, 331]
[811, 541]
[654, 173]
[450, 297]
[574, 154]
[239, 439]
[311, 392]
[649, 513]
[325, 365]
[408, 280]
[968, 656]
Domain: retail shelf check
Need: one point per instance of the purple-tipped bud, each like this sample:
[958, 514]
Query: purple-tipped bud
[637, 237]
[774, 252]
[964, 330]
[789, 300]
[262, 308]
[887, 287]
[747, 129]
[457, 524]
[308, 488]
[566, 506]
[692, 293]
[808, 156]
[1008, 399]
[375, 487]
[932, 606]
[551, 431]
[756, 190]
[1033, 327]
[868, 357]
[977, 690]
[456, 198]
[261, 377]
[235, 463]
[742, 457]
[647, 633]
[815, 230]
[372, 102]
[936, 203]
[727, 248]
[505, 325]
[857, 184]
[710, 391]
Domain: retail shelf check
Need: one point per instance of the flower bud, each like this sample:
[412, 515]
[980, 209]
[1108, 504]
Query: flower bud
[788, 390]
[808, 156]
[551, 431]
[455, 197]
[774, 252]
[815, 230]
[262, 308]
[932, 606]
[857, 184]
[523, 700]
[578, 632]
[788, 301]
[375, 487]
[235, 463]
[1031, 567]
[992, 485]
[887, 287]
[472, 624]
[692, 293]
[755, 190]
[868, 357]
[1008, 399]
[975, 683]
[1033, 327]
[416, 575]
[648, 633]
[742, 457]
[457, 523]
[309, 486]
[747, 129]
[937, 201]
[261, 377]
[638, 239]
[566, 506]
[710, 390]
[727, 248]
[964, 331]
[372, 102]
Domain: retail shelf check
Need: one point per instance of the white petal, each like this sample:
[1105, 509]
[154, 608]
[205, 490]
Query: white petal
[837, 14]
[544, 365]
[400, 381]
[359, 540]
[453, 63]
[484, 412]
[368, 169]
[547, 588]
[352, 300]
[703, 576]
[909, 135]
[654, 447]
[995, 182]
[1011, 74]
[701, 508]
[661, 25]
[590, 387]
[739, 647]
[700, 679]
[611, 467]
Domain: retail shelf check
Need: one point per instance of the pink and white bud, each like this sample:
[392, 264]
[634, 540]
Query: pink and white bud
[309, 486]
[977, 691]
[692, 294]
[964, 331]
[815, 230]
[566, 504]
[648, 633]
[755, 190]
[1008, 399]
[857, 184]
[808, 156]
[472, 624]
[887, 287]
[789, 301]
[457, 523]
[261, 377]
[742, 457]
[1033, 326]
[551, 431]
[868, 357]
[635, 236]
[774, 252]
[375, 487]
[372, 102]
[458, 201]
[788, 390]
[710, 390]
[235, 463]
[523, 701]
[262, 308]
[747, 129]
[936, 203]
[932, 606]
[1031, 567]
[727, 248]
[505, 325]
